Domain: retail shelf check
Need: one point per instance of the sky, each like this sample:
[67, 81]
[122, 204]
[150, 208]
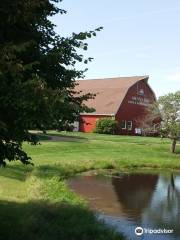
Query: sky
[139, 38]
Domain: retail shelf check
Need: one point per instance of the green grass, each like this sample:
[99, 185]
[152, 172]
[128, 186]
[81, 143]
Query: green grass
[35, 202]
[91, 151]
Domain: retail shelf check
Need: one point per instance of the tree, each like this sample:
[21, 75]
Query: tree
[163, 117]
[37, 73]
[150, 123]
[169, 106]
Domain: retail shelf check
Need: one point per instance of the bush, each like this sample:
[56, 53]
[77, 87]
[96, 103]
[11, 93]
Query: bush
[105, 126]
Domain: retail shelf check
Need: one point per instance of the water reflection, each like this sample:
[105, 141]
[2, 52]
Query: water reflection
[164, 209]
[134, 193]
[147, 200]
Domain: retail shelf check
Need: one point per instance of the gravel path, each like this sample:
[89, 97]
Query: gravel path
[54, 138]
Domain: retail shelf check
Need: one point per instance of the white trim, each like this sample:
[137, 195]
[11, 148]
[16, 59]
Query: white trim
[98, 114]
[129, 129]
[125, 124]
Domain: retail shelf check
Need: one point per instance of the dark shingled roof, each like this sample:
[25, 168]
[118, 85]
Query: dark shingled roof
[110, 92]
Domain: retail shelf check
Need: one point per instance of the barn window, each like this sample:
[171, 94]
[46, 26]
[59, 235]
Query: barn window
[123, 124]
[141, 92]
[129, 125]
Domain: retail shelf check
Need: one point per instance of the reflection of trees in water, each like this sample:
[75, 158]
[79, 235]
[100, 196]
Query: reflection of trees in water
[165, 212]
[172, 196]
[172, 191]
[152, 200]
[135, 192]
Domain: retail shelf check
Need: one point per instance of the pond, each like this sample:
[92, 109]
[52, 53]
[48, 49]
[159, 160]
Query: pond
[149, 201]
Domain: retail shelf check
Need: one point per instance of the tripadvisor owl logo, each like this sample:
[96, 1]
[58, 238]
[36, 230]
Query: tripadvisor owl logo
[139, 231]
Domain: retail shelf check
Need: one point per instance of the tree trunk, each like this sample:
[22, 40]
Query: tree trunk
[173, 146]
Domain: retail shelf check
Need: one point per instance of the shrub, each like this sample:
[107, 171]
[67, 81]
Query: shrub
[105, 126]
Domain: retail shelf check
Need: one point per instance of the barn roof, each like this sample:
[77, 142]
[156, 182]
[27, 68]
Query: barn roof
[110, 92]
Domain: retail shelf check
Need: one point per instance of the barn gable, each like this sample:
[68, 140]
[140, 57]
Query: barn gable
[110, 92]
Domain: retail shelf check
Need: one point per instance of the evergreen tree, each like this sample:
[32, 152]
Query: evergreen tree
[37, 73]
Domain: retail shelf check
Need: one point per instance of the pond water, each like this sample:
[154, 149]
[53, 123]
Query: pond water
[150, 201]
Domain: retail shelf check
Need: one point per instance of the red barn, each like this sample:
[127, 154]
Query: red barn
[124, 99]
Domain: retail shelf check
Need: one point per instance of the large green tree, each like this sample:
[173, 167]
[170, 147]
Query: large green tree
[37, 73]
[169, 106]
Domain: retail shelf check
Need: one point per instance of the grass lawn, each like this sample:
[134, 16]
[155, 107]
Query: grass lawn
[35, 202]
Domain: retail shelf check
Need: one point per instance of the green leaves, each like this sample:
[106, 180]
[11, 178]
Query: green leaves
[106, 126]
[37, 73]
[169, 106]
